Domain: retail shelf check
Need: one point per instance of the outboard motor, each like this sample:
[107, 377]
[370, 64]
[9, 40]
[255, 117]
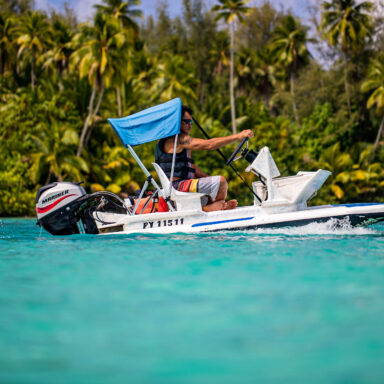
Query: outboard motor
[64, 208]
[56, 205]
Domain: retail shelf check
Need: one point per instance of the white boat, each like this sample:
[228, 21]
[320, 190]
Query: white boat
[65, 208]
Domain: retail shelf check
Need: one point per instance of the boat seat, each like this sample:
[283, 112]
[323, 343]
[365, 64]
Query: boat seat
[185, 201]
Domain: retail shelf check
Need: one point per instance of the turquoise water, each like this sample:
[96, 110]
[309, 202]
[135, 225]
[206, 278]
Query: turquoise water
[275, 306]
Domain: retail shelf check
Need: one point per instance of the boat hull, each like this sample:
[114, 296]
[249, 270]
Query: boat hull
[243, 218]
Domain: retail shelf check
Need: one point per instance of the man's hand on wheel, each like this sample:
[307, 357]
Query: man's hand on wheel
[246, 133]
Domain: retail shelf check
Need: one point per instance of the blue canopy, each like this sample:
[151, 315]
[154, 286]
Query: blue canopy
[149, 125]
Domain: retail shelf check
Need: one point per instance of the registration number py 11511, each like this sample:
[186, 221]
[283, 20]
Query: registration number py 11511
[163, 223]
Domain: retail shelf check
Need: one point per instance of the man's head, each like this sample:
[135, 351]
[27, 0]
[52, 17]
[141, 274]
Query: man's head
[186, 119]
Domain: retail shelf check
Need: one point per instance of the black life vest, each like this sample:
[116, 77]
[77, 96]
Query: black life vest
[183, 162]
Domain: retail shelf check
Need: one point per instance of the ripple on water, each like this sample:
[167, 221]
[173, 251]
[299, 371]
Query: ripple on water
[298, 304]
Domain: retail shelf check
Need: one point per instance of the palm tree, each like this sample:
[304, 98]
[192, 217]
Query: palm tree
[266, 72]
[245, 70]
[345, 23]
[352, 176]
[57, 57]
[375, 83]
[99, 56]
[34, 35]
[230, 10]
[174, 79]
[54, 155]
[140, 77]
[17, 7]
[219, 52]
[290, 47]
[6, 41]
[122, 11]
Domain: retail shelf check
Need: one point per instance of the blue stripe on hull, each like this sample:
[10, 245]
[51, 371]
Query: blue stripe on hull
[356, 205]
[355, 220]
[221, 222]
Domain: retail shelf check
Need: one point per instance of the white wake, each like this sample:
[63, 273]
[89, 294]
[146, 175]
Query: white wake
[330, 227]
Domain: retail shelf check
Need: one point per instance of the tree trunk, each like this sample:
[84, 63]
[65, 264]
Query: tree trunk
[2, 59]
[1, 70]
[61, 87]
[231, 85]
[49, 176]
[94, 114]
[118, 97]
[266, 100]
[202, 86]
[292, 86]
[346, 82]
[379, 134]
[32, 70]
[267, 96]
[60, 70]
[87, 121]
[123, 96]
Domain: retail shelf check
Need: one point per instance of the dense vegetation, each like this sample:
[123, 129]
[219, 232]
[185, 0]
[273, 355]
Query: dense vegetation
[313, 93]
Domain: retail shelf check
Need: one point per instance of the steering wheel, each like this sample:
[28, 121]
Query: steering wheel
[237, 150]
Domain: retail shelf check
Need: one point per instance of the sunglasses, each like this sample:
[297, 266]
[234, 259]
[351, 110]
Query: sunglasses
[188, 121]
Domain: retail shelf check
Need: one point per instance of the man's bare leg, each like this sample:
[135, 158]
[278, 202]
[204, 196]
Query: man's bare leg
[223, 189]
[231, 204]
[215, 206]
[220, 205]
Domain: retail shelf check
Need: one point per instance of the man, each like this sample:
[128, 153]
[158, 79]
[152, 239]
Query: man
[187, 176]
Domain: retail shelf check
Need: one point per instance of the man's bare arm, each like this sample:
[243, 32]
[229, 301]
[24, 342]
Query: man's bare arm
[192, 143]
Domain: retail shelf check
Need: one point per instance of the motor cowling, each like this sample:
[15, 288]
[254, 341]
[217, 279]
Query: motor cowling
[55, 207]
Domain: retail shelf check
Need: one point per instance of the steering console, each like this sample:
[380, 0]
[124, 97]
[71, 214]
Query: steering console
[248, 154]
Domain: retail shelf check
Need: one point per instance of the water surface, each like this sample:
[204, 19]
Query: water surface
[279, 306]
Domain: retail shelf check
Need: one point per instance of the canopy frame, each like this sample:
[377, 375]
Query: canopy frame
[149, 179]
[151, 124]
[173, 166]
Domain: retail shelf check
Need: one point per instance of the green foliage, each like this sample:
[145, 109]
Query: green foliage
[123, 11]
[60, 82]
[346, 22]
[258, 29]
[16, 198]
[317, 132]
[353, 178]
[375, 83]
